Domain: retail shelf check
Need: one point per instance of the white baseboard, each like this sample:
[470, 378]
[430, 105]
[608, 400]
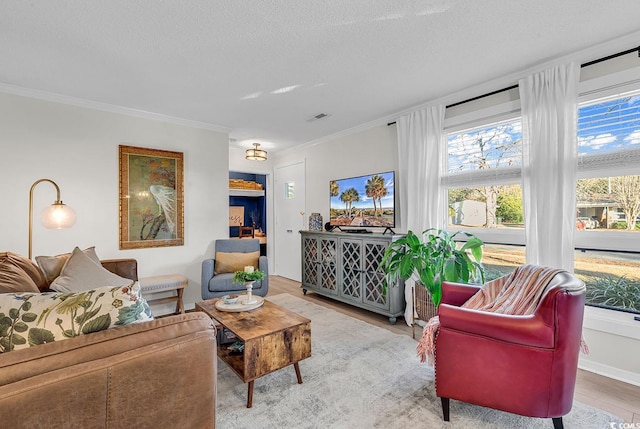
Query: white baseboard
[609, 371]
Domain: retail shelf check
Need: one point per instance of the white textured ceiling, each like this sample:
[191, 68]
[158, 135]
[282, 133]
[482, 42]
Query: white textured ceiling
[262, 68]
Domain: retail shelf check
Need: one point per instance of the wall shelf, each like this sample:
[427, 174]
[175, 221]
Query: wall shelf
[246, 192]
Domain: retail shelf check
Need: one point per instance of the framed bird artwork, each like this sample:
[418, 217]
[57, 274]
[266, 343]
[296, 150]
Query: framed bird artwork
[151, 197]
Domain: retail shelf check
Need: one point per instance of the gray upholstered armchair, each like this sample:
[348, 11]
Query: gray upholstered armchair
[216, 285]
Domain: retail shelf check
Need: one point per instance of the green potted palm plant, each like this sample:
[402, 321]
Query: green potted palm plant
[434, 257]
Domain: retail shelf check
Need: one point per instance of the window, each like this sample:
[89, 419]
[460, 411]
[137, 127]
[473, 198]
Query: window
[608, 201]
[609, 151]
[489, 147]
[609, 125]
[289, 191]
[483, 176]
[612, 278]
[501, 259]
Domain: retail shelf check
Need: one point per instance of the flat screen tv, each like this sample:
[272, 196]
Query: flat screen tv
[367, 201]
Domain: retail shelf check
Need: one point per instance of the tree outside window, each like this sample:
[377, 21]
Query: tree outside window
[481, 155]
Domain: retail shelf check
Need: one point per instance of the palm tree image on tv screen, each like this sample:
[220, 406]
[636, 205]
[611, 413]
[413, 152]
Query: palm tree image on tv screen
[363, 201]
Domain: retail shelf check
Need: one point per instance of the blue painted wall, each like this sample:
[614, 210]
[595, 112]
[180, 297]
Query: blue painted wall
[251, 205]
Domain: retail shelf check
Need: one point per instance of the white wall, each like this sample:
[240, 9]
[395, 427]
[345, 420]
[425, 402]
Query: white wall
[366, 152]
[78, 148]
[614, 344]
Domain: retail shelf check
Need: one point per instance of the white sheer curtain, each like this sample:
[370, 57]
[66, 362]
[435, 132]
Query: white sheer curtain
[420, 155]
[549, 115]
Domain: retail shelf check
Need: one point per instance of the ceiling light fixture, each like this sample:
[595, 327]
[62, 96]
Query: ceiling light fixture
[256, 154]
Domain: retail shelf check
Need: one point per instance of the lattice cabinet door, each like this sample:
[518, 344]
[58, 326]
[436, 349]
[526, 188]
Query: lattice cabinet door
[345, 267]
[310, 261]
[351, 271]
[373, 251]
[328, 265]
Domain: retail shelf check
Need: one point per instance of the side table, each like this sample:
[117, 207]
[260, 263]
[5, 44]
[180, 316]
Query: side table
[273, 337]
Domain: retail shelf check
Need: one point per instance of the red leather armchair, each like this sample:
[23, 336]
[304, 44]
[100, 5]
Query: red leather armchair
[520, 364]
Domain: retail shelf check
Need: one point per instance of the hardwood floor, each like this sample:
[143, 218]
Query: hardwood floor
[616, 397]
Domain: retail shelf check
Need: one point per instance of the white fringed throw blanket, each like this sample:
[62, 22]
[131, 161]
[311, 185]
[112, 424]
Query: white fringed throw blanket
[518, 293]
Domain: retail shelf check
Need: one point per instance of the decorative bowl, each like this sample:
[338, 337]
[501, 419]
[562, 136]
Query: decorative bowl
[230, 299]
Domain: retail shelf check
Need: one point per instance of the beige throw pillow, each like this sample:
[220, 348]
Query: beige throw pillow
[19, 274]
[15, 279]
[230, 262]
[52, 265]
[81, 273]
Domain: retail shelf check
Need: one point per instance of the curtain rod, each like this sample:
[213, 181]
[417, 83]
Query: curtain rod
[587, 64]
[612, 56]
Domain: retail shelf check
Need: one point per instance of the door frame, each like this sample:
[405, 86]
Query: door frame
[302, 161]
[269, 203]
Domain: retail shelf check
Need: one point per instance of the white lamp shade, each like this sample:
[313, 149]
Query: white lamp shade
[58, 216]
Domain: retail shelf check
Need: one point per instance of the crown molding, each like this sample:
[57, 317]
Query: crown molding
[105, 107]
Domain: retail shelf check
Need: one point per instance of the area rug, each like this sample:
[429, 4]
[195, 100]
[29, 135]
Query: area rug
[361, 376]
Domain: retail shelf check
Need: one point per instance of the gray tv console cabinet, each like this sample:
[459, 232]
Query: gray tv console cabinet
[344, 266]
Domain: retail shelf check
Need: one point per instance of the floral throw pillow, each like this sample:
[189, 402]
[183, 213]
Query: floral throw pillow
[30, 319]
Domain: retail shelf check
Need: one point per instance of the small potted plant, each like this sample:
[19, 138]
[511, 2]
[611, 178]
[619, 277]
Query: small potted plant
[434, 257]
[248, 276]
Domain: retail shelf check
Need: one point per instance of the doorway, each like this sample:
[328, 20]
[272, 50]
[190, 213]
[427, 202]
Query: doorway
[289, 198]
[247, 207]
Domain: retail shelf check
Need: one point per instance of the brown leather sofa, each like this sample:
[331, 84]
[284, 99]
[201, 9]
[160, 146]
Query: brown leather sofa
[156, 374]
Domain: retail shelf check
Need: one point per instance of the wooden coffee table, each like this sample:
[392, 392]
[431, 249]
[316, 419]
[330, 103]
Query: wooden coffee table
[273, 337]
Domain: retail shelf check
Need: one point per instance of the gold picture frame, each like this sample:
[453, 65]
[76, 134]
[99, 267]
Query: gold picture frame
[151, 197]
